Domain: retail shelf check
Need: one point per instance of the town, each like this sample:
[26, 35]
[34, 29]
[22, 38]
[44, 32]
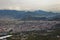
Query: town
[22, 29]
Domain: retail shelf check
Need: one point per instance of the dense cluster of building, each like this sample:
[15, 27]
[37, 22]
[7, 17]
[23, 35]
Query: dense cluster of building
[18, 26]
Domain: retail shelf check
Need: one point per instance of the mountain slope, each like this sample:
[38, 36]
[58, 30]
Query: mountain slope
[23, 15]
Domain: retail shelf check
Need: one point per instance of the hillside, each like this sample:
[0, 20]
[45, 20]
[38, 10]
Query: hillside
[28, 15]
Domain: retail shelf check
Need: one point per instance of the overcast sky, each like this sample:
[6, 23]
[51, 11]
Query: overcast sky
[51, 5]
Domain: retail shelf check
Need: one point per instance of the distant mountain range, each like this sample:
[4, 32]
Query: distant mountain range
[29, 15]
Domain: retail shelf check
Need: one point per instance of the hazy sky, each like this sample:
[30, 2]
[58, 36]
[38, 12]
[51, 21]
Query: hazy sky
[51, 5]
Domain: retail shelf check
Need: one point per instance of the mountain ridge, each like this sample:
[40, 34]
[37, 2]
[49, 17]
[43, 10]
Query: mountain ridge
[28, 15]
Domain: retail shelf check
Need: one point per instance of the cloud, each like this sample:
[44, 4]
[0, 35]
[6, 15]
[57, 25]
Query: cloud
[30, 4]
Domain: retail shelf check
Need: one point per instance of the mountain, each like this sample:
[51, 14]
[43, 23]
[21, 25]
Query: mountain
[57, 18]
[28, 15]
